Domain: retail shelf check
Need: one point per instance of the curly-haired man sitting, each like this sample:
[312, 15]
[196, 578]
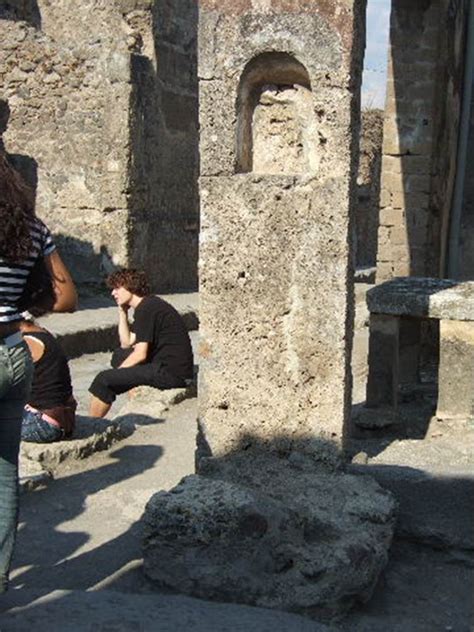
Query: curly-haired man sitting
[155, 349]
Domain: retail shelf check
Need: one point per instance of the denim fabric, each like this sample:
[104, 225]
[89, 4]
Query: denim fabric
[16, 371]
[37, 430]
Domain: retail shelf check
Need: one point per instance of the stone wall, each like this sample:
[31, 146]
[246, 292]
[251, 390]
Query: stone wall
[68, 89]
[368, 188]
[164, 201]
[420, 128]
[450, 90]
[275, 256]
[82, 130]
[466, 254]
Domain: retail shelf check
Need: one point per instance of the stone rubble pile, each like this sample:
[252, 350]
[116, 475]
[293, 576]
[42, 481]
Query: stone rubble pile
[278, 530]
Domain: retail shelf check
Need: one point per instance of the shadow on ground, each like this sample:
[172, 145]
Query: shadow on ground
[67, 568]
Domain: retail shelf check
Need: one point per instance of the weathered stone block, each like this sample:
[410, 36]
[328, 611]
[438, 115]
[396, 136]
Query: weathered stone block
[391, 217]
[274, 247]
[398, 199]
[456, 370]
[399, 237]
[273, 531]
[443, 299]
[409, 341]
[274, 279]
[383, 378]
[91, 435]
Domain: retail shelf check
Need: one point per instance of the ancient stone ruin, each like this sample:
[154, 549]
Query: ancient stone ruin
[236, 123]
[286, 530]
[271, 519]
[279, 130]
[107, 136]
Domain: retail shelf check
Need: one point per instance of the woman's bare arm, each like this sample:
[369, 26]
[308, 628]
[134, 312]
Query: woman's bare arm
[64, 288]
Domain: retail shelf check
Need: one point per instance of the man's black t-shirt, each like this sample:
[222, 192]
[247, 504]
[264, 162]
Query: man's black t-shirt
[158, 323]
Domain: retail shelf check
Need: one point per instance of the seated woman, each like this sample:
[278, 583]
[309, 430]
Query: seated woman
[49, 414]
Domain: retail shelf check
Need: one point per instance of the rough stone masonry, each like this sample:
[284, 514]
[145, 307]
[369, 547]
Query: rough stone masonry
[105, 133]
[275, 257]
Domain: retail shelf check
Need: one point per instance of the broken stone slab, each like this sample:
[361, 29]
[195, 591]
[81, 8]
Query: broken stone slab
[153, 402]
[169, 397]
[273, 531]
[443, 299]
[91, 435]
[32, 475]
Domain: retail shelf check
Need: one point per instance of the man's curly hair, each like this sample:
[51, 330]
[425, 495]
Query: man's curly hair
[134, 281]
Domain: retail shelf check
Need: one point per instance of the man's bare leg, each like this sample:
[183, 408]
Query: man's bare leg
[98, 408]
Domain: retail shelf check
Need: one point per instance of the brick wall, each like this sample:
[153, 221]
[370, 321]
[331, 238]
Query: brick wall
[420, 134]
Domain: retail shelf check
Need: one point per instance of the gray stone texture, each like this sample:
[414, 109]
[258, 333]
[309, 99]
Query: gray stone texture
[443, 299]
[384, 344]
[66, 133]
[116, 178]
[433, 483]
[368, 187]
[272, 530]
[275, 255]
[164, 203]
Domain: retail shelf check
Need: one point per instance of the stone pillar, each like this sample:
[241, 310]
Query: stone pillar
[279, 88]
[409, 350]
[456, 370]
[384, 345]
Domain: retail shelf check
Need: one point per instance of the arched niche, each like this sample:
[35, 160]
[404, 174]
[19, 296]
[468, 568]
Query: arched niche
[276, 127]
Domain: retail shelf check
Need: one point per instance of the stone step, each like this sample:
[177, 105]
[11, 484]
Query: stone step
[82, 611]
[39, 462]
[93, 328]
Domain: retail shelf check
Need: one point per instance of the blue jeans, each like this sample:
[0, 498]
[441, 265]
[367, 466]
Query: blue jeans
[16, 371]
[37, 430]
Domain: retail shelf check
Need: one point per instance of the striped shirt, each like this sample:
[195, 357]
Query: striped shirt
[13, 276]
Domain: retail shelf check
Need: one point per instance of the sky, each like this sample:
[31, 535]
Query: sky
[375, 64]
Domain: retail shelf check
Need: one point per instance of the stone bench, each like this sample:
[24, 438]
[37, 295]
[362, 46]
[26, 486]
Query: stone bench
[397, 309]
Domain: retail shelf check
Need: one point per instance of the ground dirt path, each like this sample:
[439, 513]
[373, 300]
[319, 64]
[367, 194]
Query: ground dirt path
[78, 558]
[78, 561]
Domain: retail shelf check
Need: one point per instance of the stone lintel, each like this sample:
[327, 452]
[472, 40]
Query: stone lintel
[443, 299]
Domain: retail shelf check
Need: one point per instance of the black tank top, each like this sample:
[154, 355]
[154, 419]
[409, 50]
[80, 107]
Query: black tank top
[51, 378]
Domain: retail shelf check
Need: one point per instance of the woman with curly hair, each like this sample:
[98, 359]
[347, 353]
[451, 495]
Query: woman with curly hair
[24, 242]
